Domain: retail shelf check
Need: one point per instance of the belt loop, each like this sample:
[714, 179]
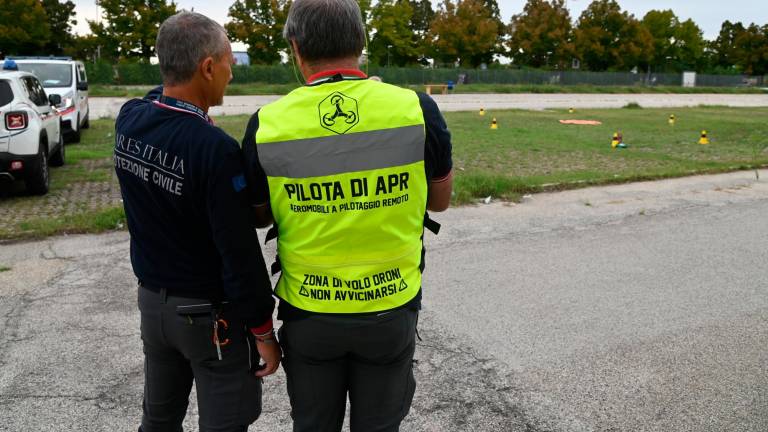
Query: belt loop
[163, 295]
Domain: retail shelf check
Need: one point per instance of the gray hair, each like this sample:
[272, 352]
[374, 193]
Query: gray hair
[183, 41]
[325, 29]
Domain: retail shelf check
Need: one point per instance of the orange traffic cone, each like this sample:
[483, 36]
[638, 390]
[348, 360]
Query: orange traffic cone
[482, 111]
[494, 124]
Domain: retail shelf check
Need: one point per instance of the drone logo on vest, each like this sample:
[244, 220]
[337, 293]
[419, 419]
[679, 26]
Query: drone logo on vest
[338, 113]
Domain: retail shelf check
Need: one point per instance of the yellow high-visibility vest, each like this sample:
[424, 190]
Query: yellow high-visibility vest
[348, 191]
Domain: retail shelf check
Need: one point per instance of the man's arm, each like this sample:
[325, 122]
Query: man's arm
[439, 193]
[437, 156]
[257, 179]
[244, 273]
[263, 215]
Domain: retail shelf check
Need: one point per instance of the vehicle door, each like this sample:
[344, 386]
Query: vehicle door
[48, 115]
[82, 91]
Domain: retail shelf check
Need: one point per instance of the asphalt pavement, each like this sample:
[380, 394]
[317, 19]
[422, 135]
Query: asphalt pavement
[638, 307]
[233, 105]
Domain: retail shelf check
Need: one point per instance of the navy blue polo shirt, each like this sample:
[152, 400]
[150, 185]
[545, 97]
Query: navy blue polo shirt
[187, 206]
[438, 162]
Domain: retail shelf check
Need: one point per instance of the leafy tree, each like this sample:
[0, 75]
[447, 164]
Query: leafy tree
[422, 17]
[752, 50]
[541, 35]
[24, 27]
[608, 39]
[61, 17]
[690, 43]
[129, 27]
[423, 13]
[83, 47]
[259, 24]
[394, 41]
[464, 31]
[493, 7]
[723, 48]
[677, 45]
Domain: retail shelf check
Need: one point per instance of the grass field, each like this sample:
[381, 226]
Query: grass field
[530, 152]
[97, 90]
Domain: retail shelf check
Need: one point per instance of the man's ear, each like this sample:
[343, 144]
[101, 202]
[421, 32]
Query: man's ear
[295, 53]
[206, 68]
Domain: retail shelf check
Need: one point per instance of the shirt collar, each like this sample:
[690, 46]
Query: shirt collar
[179, 105]
[335, 75]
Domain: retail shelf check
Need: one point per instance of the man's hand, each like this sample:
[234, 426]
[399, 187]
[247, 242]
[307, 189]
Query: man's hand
[270, 352]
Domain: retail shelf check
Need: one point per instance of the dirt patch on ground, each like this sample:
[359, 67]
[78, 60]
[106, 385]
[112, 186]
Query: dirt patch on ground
[17, 207]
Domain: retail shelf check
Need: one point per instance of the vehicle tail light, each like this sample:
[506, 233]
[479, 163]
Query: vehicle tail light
[17, 165]
[16, 120]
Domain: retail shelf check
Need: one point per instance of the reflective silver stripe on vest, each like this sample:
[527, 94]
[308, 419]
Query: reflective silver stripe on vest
[317, 157]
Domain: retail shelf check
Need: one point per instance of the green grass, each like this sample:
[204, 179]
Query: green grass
[4, 269]
[97, 90]
[530, 152]
[95, 149]
[98, 221]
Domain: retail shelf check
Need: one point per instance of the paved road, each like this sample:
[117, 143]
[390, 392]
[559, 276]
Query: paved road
[639, 307]
[109, 107]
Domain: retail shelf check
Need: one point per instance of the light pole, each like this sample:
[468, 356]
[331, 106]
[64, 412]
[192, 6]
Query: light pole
[388, 47]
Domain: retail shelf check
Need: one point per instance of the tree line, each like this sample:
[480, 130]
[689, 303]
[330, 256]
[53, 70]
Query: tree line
[466, 33]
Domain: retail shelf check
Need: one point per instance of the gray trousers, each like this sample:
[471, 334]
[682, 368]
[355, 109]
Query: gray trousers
[368, 359]
[179, 350]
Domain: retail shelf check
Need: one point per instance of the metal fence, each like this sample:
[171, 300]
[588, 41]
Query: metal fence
[138, 73]
[536, 77]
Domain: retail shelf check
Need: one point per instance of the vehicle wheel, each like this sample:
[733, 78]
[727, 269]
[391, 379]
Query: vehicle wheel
[87, 121]
[74, 136]
[58, 158]
[38, 178]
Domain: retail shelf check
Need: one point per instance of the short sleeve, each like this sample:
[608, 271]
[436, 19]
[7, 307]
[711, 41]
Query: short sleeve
[257, 178]
[437, 151]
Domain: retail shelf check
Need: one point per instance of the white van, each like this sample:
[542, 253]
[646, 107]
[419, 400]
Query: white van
[66, 78]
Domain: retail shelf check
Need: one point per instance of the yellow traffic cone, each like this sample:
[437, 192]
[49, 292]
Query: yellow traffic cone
[616, 140]
[672, 119]
[571, 110]
[482, 111]
[704, 140]
[494, 124]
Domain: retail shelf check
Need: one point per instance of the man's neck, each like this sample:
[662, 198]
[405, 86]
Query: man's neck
[322, 66]
[187, 93]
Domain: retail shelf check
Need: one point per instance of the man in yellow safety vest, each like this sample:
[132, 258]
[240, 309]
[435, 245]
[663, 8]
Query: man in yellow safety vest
[346, 168]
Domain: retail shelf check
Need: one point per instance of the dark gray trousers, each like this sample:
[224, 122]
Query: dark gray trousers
[179, 350]
[368, 359]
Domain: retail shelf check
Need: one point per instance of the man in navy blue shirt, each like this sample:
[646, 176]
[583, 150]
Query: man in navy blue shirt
[205, 296]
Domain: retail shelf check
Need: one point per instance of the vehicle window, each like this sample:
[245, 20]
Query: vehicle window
[35, 91]
[81, 77]
[50, 74]
[6, 93]
[42, 98]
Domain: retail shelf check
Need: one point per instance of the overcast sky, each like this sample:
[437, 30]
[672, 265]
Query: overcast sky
[708, 14]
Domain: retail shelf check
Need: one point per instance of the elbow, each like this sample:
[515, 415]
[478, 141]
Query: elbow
[263, 224]
[438, 206]
[262, 216]
[439, 194]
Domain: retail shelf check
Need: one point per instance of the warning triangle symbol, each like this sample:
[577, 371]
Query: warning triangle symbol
[303, 291]
[403, 285]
